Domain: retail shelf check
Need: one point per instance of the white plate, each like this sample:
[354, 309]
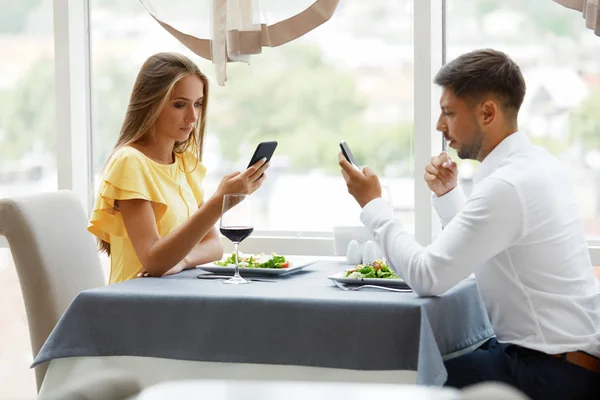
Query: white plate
[295, 266]
[394, 283]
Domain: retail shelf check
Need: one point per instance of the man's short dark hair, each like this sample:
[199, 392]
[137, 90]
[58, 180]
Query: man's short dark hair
[483, 72]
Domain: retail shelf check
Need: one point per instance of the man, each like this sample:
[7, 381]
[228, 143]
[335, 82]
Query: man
[519, 233]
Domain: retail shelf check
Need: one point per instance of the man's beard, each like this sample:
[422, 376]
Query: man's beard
[470, 150]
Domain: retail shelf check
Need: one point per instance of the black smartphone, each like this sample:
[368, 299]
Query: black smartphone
[263, 150]
[347, 153]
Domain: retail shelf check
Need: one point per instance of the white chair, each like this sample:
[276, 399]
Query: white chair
[296, 390]
[492, 391]
[104, 385]
[55, 257]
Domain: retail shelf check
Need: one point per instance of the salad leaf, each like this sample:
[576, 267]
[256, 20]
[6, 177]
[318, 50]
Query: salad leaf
[376, 269]
[256, 261]
[275, 262]
[227, 261]
[367, 272]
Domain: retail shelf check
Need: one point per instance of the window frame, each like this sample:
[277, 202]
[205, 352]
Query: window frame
[72, 49]
[74, 117]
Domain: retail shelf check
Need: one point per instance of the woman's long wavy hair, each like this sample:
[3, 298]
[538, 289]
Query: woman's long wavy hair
[151, 92]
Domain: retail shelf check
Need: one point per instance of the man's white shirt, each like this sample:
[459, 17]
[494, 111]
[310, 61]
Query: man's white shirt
[520, 234]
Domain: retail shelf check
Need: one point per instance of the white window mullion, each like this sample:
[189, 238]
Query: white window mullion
[72, 78]
[428, 60]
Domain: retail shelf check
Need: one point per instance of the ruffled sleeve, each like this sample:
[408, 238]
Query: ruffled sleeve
[126, 177]
[194, 173]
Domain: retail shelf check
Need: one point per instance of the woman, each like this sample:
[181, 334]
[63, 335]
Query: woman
[150, 215]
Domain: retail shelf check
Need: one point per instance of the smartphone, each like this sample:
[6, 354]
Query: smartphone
[263, 150]
[347, 153]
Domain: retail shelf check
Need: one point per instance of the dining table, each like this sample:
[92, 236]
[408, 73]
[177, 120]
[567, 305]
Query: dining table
[297, 326]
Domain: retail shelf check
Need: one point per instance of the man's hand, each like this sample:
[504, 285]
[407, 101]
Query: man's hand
[441, 174]
[363, 185]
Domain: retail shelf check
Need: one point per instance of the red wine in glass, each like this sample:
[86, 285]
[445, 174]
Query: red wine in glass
[236, 233]
[236, 225]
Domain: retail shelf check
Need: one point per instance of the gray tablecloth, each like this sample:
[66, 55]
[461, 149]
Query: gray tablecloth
[303, 319]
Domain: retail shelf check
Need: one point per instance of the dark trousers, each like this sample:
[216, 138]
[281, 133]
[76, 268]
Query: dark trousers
[538, 375]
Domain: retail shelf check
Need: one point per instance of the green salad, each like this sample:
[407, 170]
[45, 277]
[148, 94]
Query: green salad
[257, 261]
[376, 269]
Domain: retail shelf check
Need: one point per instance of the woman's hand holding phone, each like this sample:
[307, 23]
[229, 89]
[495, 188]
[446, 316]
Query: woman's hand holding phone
[251, 179]
[246, 182]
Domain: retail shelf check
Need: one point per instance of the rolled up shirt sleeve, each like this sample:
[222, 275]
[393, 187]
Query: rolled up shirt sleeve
[490, 221]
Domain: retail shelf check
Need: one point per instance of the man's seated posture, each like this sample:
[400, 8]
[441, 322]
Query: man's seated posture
[519, 232]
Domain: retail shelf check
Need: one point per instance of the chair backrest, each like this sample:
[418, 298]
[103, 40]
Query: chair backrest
[491, 391]
[103, 384]
[55, 257]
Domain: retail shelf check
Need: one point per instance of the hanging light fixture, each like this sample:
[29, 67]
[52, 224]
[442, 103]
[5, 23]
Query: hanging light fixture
[238, 28]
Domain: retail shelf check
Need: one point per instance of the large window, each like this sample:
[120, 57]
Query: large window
[350, 79]
[560, 60]
[27, 112]
[27, 161]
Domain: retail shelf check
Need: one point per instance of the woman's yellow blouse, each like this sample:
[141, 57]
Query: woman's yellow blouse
[175, 191]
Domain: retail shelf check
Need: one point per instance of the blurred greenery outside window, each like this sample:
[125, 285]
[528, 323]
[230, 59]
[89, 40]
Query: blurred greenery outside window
[308, 95]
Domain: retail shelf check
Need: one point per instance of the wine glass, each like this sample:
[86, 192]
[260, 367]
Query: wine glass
[236, 225]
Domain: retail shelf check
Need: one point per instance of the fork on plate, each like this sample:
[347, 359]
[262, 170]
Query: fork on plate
[214, 276]
[353, 288]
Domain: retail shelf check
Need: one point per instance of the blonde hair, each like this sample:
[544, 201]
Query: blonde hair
[151, 92]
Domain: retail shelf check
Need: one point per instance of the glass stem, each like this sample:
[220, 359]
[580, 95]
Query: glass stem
[237, 262]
